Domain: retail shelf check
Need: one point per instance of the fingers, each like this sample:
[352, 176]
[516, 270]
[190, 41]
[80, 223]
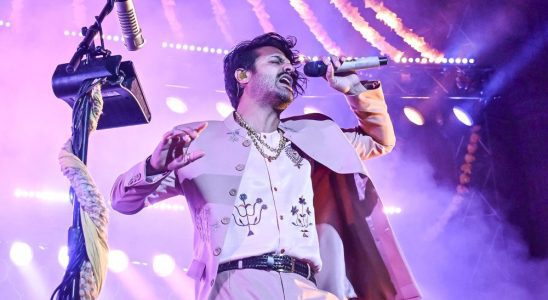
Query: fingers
[330, 72]
[185, 159]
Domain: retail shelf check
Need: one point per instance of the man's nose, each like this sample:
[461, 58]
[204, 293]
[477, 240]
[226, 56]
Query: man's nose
[289, 68]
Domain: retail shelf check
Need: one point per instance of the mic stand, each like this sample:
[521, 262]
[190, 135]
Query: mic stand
[69, 288]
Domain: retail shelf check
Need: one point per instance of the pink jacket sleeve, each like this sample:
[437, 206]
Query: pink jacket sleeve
[133, 190]
[375, 133]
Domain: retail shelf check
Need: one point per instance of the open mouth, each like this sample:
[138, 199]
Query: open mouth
[287, 81]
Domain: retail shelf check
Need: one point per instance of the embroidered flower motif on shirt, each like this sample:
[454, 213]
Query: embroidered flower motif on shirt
[234, 135]
[302, 216]
[294, 156]
[248, 214]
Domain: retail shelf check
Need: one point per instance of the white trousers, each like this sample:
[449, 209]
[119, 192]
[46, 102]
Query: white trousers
[252, 284]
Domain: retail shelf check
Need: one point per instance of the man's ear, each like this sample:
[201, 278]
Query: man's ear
[241, 75]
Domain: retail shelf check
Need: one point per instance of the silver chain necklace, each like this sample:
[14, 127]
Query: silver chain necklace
[256, 139]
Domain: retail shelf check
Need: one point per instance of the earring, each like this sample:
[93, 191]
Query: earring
[242, 76]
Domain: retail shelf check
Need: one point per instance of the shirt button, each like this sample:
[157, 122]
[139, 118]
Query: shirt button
[281, 217]
[232, 192]
[217, 251]
[282, 251]
[275, 189]
[246, 143]
[240, 167]
[225, 220]
[212, 282]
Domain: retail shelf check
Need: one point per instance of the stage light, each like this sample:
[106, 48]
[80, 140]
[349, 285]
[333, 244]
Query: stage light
[397, 60]
[176, 105]
[404, 60]
[205, 49]
[164, 44]
[417, 60]
[471, 61]
[116, 38]
[7, 24]
[62, 257]
[424, 60]
[117, 261]
[465, 60]
[314, 58]
[109, 37]
[219, 51]
[163, 265]
[458, 60]
[178, 46]
[21, 254]
[224, 109]
[225, 52]
[463, 116]
[171, 45]
[66, 33]
[212, 50]
[73, 33]
[191, 47]
[310, 110]
[451, 60]
[413, 115]
[444, 60]
[391, 210]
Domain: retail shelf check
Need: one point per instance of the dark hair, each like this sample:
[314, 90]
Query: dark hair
[244, 55]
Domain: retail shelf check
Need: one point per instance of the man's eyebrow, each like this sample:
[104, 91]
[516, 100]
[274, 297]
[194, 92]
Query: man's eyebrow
[283, 58]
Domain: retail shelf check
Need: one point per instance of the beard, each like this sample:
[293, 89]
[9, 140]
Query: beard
[273, 93]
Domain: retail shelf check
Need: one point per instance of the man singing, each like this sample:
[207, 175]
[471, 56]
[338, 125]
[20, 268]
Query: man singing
[282, 208]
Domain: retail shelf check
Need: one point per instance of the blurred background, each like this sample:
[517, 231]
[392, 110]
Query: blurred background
[465, 188]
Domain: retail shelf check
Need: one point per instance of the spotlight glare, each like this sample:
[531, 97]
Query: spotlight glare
[462, 116]
[176, 105]
[73, 33]
[171, 45]
[7, 24]
[224, 109]
[21, 254]
[164, 44]
[66, 32]
[117, 261]
[413, 115]
[116, 38]
[163, 265]
[62, 257]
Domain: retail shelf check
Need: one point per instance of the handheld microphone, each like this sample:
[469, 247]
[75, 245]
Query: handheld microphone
[133, 37]
[318, 68]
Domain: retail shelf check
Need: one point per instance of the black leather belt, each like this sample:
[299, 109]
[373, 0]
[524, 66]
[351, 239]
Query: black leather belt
[271, 262]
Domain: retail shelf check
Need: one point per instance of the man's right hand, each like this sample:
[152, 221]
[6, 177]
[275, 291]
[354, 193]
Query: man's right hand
[172, 151]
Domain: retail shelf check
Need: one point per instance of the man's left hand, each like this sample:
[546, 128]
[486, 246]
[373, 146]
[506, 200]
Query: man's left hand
[347, 82]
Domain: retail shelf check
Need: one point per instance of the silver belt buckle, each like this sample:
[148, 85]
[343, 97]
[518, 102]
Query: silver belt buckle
[270, 261]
